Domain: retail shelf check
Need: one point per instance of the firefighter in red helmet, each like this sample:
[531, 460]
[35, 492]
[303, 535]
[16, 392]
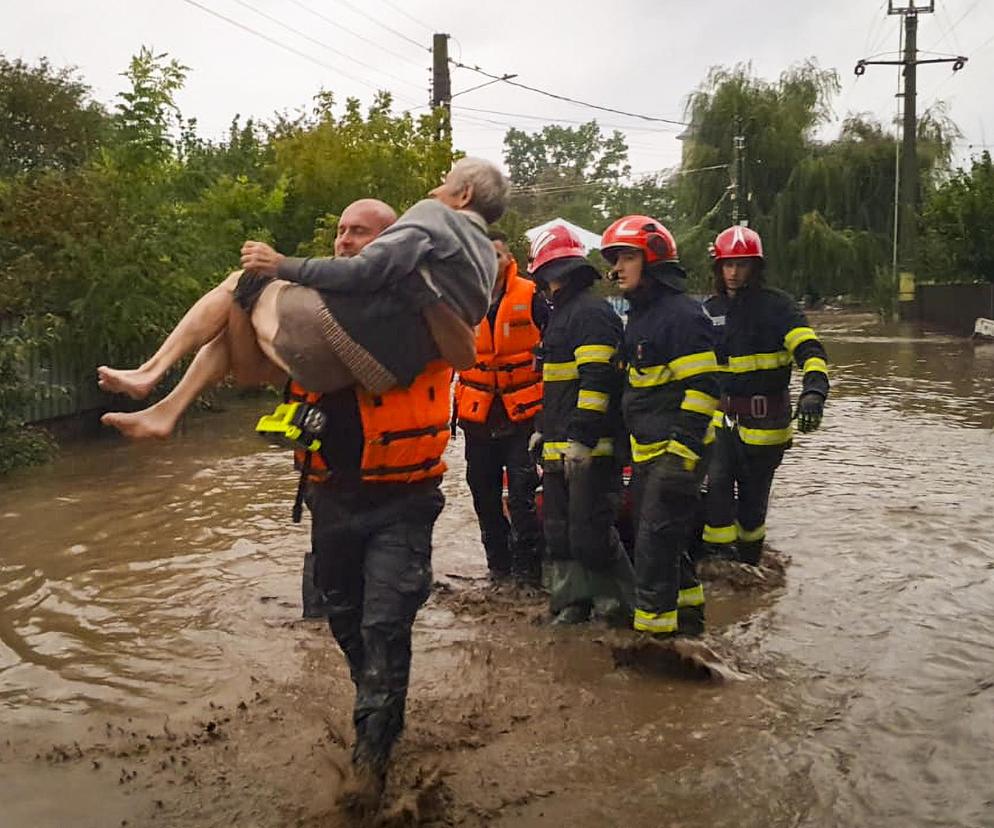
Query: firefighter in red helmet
[580, 420]
[760, 332]
[670, 395]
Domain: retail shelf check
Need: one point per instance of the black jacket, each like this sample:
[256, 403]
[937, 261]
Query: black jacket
[671, 386]
[759, 333]
[581, 380]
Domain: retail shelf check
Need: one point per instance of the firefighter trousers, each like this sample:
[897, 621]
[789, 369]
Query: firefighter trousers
[511, 546]
[373, 564]
[587, 557]
[668, 596]
[740, 478]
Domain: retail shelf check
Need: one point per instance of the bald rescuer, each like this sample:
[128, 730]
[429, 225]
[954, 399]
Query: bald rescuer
[360, 223]
[759, 333]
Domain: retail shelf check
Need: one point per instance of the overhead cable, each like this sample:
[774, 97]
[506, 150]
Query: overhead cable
[316, 42]
[383, 25]
[510, 82]
[282, 45]
[338, 25]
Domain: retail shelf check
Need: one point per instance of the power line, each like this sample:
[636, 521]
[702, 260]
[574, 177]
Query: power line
[282, 45]
[401, 11]
[509, 82]
[383, 25]
[316, 42]
[344, 28]
[550, 119]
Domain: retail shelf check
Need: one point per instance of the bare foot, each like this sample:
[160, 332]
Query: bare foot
[141, 425]
[136, 383]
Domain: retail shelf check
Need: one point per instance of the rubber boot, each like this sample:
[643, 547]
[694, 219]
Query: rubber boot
[572, 614]
[749, 552]
[690, 621]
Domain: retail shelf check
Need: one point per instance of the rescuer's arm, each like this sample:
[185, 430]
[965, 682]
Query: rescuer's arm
[694, 365]
[594, 353]
[381, 263]
[806, 349]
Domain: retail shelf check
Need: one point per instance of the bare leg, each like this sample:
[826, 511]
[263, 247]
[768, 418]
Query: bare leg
[234, 349]
[201, 324]
[208, 368]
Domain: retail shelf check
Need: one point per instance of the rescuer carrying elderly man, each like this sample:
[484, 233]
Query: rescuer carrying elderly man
[759, 332]
[375, 319]
[669, 397]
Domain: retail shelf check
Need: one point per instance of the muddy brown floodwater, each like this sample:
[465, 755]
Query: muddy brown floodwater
[153, 670]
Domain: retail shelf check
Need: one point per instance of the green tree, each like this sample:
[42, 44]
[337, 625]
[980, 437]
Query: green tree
[47, 119]
[958, 243]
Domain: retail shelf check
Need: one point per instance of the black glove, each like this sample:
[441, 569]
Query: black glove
[674, 476]
[810, 409]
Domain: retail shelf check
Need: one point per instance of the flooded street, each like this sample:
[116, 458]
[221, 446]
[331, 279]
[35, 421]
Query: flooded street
[153, 669]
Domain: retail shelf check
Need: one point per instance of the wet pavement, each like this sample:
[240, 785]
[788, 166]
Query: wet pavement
[149, 591]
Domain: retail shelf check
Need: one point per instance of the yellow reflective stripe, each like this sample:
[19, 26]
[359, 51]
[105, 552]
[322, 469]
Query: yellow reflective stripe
[559, 372]
[642, 452]
[719, 534]
[758, 362]
[592, 400]
[796, 336]
[699, 401]
[709, 435]
[649, 376]
[766, 436]
[594, 353]
[815, 364]
[655, 622]
[693, 597]
[757, 534]
[554, 450]
[691, 365]
[718, 419]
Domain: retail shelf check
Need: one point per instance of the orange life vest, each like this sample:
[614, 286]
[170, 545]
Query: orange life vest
[405, 431]
[505, 362]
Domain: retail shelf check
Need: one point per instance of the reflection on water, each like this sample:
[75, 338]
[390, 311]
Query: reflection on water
[134, 577]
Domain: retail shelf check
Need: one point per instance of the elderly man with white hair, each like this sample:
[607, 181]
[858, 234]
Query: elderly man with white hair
[373, 320]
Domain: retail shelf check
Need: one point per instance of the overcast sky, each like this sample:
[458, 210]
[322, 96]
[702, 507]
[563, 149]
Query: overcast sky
[642, 56]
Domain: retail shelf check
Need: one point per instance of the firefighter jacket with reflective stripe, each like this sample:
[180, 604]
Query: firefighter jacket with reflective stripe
[404, 431]
[505, 359]
[671, 380]
[759, 334]
[581, 380]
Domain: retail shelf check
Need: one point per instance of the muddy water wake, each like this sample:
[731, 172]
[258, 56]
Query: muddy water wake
[136, 582]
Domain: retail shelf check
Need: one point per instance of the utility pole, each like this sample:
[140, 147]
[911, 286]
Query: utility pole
[907, 229]
[739, 213]
[441, 85]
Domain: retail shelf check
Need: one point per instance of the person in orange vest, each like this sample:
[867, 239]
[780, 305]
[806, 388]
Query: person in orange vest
[497, 401]
[360, 223]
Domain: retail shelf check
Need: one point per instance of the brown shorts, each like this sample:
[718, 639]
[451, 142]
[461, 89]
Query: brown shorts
[321, 356]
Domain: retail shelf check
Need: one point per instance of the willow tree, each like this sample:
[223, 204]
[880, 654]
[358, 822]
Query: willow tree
[825, 208]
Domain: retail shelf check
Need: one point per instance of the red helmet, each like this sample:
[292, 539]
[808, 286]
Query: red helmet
[737, 242]
[556, 242]
[643, 233]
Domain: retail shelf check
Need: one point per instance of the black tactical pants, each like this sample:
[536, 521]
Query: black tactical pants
[513, 547]
[668, 596]
[587, 557]
[373, 562]
[740, 478]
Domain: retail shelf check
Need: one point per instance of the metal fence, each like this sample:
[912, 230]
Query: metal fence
[65, 385]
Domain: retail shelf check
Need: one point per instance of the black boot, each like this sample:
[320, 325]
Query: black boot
[749, 552]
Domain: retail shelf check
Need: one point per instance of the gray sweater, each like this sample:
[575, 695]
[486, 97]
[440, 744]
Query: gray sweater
[446, 251]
